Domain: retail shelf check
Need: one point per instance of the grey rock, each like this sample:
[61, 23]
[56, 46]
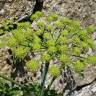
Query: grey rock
[16, 9]
[84, 10]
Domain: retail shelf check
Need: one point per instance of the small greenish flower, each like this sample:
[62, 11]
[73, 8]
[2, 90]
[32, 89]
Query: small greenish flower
[36, 39]
[36, 46]
[47, 35]
[90, 42]
[23, 25]
[64, 33]
[63, 40]
[32, 65]
[65, 21]
[20, 52]
[19, 35]
[76, 40]
[76, 51]
[75, 24]
[79, 66]
[12, 42]
[34, 17]
[63, 48]
[52, 17]
[46, 57]
[52, 49]
[37, 16]
[85, 45]
[82, 35]
[49, 27]
[90, 29]
[58, 24]
[64, 59]
[50, 43]
[39, 32]
[40, 24]
[54, 71]
[92, 59]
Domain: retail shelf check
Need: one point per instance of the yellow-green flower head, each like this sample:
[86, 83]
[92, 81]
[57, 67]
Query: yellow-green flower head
[32, 65]
[63, 48]
[64, 33]
[50, 43]
[36, 46]
[37, 16]
[40, 24]
[20, 52]
[36, 39]
[65, 20]
[58, 24]
[90, 29]
[79, 66]
[54, 71]
[90, 42]
[12, 42]
[46, 57]
[76, 40]
[85, 45]
[18, 34]
[92, 59]
[52, 17]
[64, 59]
[39, 32]
[49, 27]
[47, 35]
[63, 40]
[52, 49]
[23, 25]
[76, 51]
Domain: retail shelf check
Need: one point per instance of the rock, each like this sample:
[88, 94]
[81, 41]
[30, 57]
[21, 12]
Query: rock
[16, 9]
[5, 67]
[84, 10]
[89, 90]
[89, 75]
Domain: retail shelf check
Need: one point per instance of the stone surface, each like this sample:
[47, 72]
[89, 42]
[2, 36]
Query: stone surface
[5, 67]
[89, 90]
[84, 10]
[16, 9]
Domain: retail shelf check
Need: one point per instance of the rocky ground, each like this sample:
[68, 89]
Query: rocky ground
[84, 10]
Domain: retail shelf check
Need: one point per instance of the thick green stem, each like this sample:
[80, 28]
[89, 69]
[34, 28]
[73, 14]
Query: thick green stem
[44, 78]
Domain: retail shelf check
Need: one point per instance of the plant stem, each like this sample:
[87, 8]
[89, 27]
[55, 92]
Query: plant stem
[11, 80]
[44, 78]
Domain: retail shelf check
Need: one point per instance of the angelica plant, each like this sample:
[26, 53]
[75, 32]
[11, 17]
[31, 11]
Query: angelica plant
[55, 38]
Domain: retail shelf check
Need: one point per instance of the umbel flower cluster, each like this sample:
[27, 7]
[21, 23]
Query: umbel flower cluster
[54, 38]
